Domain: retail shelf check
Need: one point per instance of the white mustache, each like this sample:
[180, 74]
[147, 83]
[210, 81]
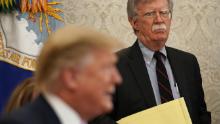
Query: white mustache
[159, 27]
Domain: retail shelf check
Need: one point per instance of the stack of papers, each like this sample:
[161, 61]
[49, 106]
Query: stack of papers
[173, 112]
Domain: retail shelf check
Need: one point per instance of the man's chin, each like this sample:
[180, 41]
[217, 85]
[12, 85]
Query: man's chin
[158, 44]
[108, 106]
[103, 109]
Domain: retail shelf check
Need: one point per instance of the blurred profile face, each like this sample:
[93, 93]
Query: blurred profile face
[97, 82]
[152, 23]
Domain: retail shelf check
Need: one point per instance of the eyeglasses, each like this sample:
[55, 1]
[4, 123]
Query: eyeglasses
[162, 13]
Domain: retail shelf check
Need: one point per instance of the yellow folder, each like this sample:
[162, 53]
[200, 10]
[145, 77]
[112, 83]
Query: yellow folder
[173, 112]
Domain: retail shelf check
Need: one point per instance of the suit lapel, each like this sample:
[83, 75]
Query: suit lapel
[137, 64]
[45, 111]
[178, 70]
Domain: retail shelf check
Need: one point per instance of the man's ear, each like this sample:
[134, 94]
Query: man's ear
[133, 23]
[68, 78]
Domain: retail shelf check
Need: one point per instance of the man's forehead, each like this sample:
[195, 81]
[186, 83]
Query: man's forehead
[141, 2]
[105, 55]
[144, 1]
[148, 5]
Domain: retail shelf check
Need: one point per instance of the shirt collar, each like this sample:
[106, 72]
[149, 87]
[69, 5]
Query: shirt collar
[65, 113]
[148, 53]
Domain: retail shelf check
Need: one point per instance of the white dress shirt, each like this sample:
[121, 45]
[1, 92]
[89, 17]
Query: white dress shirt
[150, 63]
[64, 112]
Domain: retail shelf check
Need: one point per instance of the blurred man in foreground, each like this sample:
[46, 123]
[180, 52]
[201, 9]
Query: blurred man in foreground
[76, 75]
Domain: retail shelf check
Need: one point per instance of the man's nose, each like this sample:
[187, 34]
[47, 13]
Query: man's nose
[158, 18]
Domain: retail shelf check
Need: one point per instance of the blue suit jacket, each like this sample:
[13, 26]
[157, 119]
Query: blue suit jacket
[37, 112]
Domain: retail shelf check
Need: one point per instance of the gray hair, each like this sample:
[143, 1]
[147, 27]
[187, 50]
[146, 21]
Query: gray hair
[131, 6]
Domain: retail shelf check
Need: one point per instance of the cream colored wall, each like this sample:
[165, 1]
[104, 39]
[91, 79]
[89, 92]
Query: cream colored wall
[196, 28]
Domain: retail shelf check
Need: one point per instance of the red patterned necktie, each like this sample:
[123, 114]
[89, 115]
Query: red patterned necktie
[162, 79]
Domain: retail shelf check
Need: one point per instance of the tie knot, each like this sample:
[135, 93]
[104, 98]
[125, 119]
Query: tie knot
[158, 55]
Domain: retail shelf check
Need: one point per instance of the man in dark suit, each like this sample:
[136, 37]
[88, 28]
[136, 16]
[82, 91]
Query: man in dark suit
[144, 84]
[76, 76]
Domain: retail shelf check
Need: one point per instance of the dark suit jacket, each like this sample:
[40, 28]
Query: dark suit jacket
[136, 93]
[38, 112]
